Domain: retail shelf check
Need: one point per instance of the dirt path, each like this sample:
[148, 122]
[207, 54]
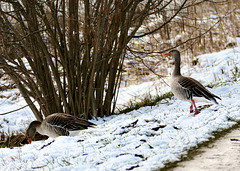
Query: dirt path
[222, 155]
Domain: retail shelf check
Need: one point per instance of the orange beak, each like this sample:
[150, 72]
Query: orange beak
[30, 140]
[166, 54]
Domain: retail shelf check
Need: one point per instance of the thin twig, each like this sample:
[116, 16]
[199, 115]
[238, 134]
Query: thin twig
[150, 69]
[47, 144]
[190, 39]
[15, 109]
[168, 21]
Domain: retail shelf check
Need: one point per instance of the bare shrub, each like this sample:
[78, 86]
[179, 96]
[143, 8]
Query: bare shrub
[69, 55]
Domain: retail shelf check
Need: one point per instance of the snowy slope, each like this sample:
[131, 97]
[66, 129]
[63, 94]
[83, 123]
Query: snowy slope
[143, 139]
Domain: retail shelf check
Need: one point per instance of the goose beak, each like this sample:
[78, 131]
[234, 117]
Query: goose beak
[166, 54]
[30, 140]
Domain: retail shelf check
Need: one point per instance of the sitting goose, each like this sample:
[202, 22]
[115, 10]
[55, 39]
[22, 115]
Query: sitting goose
[57, 124]
[187, 88]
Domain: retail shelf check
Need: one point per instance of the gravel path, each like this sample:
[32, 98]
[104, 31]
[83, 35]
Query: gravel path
[222, 155]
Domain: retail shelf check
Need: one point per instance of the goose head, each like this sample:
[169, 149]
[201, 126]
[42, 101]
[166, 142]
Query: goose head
[177, 59]
[32, 129]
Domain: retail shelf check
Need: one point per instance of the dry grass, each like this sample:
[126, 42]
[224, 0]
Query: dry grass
[17, 139]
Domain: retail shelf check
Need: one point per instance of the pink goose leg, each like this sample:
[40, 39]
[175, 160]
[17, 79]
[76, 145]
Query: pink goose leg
[191, 108]
[196, 110]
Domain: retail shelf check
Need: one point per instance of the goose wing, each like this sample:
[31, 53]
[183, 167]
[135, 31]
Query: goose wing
[68, 122]
[193, 88]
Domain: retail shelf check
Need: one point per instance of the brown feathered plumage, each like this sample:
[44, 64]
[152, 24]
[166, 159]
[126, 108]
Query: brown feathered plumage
[57, 124]
[187, 88]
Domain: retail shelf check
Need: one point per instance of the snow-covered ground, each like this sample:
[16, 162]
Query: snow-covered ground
[144, 139]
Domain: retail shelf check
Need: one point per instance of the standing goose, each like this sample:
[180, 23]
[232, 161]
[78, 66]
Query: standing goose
[57, 124]
[187, 88]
